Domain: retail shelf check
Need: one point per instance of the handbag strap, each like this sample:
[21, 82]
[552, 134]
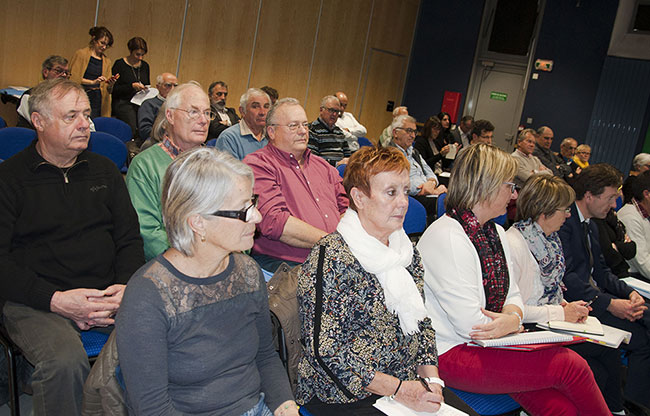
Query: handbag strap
[317, 325]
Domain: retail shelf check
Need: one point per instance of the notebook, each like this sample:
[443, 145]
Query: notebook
[527, 338]
[591, 326]
[395, 408]
[612, 338]
[639, 285]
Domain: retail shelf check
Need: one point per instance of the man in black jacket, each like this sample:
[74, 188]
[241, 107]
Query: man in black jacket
[543, 152]
[226, 116]
[69, 241]
[588, 278]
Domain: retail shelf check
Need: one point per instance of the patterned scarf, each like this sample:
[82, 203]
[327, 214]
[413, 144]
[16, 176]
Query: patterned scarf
[550, 259]
[494, 268]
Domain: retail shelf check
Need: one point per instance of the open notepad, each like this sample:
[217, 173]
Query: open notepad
[591, 326]
[395, 408]
[639, 285]
[517, 341]
[612, 337]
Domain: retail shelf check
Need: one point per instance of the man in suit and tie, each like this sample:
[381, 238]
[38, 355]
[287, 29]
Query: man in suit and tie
[463, 133]
[226, 116]
[588, 278]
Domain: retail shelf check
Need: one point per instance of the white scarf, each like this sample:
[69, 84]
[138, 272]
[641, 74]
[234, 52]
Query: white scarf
[388, 264]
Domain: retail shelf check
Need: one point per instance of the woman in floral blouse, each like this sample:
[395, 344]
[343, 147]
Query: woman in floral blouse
[364, 322]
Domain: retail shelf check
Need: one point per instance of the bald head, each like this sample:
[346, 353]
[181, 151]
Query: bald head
[343, 99]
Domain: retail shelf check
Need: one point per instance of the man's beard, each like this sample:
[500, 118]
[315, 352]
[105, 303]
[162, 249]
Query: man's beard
[220, 105]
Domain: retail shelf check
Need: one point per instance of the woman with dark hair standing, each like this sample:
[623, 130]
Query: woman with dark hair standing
[133, 73]
[91, 68]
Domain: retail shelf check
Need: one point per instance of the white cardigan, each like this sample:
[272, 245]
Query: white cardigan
[453, 282]
[526, 273]
[638, 228]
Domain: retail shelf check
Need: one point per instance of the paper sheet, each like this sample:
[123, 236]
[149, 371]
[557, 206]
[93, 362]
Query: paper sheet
[395, 408]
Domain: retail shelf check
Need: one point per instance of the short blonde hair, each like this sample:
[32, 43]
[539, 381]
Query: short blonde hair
[197, 182]
[478, 173]
[583, 148]
[543, 194]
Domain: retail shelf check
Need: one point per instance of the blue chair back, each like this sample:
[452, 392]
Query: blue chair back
[488, 404]
[93, 342]
[363, 141]
[501, 219]
[3, 123]
[211, 143]
[108, 145]
[14, 139]
[619, 203]
[415, 220]
[341, 169]
[440, 211]
[113, 126]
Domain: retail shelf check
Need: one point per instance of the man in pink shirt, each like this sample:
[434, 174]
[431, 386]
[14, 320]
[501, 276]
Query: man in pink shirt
[301, 196]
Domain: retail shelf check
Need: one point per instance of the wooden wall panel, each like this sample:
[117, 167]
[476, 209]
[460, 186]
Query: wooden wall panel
[393, 24]
[284, 46]
[339, 52]
[218, 44]
[158, 22]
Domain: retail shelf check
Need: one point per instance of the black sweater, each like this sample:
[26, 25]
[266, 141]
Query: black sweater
[62, 229]
[123, 88]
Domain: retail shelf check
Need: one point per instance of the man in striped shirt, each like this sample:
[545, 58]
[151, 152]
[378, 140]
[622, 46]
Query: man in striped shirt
[325, 138]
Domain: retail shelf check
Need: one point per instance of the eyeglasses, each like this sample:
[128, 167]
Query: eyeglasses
[407, 130]
[60, 71]
[169, 85]
[333, 110]
[513, 186]
[243, 215]
[565, 210]
[584, 153]
[194, 113]
[293, 127]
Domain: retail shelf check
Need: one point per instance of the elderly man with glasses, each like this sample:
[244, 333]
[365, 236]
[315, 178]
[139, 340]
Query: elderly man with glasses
[185, 126]
[326, 139]
[301, 197]
[424, 183]
[148, 111]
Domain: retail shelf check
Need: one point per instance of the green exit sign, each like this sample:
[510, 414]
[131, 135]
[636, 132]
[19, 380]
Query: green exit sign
[499, 96]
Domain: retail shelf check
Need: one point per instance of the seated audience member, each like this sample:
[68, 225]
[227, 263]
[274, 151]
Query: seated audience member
[375, 338]
[616, 245]
[203, 303]
[528, 164]
[387, 135]
[482, 132]
[187, 116]
[247, 136]
[581, 159]
[640, 164]
[471, 295]
[226, 116]
[301, 197]
[544, 140]
[325, 138]
[538, 266]
[636, 218]
[588, 278]
[148, 111]
[424, 183]
[433, 147]
[445, 122]
[53, 67]
[568, 149]
[463, 133]
[70, 244]
[272, 93]
[350, 126]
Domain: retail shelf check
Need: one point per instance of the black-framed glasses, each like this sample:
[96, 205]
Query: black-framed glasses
[293, 127]
[513, 186]
[60, 71]
[407, 130]
[334, 110]
[243, 215]
[194, 113]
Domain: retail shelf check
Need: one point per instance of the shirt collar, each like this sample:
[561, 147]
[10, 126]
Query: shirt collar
[580, 216]
[244, 128]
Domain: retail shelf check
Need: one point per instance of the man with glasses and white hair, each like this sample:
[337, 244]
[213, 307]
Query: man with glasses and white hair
[326, 139]
[53, 67]
[301, 197]
[187, 118]
[424, 183]
[70, 243]
[247, 136]
[148, 111]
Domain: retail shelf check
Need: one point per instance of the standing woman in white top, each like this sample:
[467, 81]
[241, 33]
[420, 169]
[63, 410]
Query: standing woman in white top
[538, 267]
[470, 294]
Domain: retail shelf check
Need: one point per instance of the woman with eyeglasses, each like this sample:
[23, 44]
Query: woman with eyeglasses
[182, 124]
[471, 294]
[583, 153]
[538, 267]
[194, 330]
[92, 69]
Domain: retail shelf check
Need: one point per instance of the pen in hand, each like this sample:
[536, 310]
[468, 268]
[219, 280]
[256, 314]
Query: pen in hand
[425, 384]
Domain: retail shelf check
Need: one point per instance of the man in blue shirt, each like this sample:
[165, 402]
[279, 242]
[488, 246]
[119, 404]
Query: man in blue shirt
[247, 136]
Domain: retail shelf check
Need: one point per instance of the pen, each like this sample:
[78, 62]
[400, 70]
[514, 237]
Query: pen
[589, 303]
[425, 384]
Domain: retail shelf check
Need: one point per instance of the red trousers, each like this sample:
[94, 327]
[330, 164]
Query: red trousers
[555, 381]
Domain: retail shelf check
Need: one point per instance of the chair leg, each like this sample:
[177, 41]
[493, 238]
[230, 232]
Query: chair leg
[14, 388]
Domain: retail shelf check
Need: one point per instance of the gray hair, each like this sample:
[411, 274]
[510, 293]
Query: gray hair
[161, 124]
[214, 84]
[251, 92]
[159, 79]
[197, 182]
[541, 129]
[52, 60]
[328, 98]
[280, 103]
[640, 160]
[567, 140]
[40, 100]
[397, 110]
[522, 135]
[177, 94]
[400, 120]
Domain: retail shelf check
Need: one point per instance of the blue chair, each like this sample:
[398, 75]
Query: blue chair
[108, 145]
[364, 142]
[441, 205]
[341, 169]
[113, 126]
[488, 404]
[501, 219]
[415, 220]
[619, 203]
[14, 139]
[211, 143]
[3, 123]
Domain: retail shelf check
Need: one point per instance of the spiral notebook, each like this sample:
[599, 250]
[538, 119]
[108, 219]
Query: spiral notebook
[529, 341]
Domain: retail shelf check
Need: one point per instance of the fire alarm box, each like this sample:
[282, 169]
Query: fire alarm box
[451, 104]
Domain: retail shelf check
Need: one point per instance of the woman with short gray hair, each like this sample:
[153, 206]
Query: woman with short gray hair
[194, 331]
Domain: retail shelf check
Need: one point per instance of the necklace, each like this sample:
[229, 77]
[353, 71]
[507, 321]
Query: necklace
[133, 70]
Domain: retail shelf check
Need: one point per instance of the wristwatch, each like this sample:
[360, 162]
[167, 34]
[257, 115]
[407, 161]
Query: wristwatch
[434, 380]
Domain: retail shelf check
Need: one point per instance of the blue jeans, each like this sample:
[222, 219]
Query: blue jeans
[260, 409]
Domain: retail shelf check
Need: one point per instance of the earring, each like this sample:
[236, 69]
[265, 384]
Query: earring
[203, 238]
